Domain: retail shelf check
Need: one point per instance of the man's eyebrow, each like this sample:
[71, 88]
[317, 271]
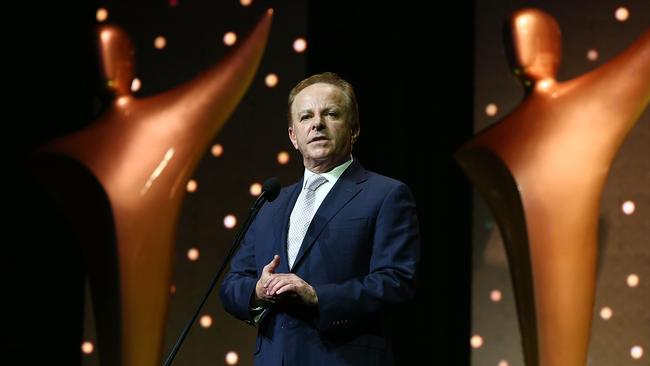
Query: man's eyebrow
[331, 107]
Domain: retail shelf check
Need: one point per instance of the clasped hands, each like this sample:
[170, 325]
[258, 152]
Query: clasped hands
[283, 287]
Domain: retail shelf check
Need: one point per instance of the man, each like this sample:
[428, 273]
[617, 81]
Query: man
[322, 266]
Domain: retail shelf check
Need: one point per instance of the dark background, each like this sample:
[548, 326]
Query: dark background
[414, 83]
[413, 67]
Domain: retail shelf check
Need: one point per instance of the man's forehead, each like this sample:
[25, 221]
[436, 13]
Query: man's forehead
[319, 95]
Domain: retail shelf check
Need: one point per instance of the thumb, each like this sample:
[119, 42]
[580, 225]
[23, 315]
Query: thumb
[273, 264]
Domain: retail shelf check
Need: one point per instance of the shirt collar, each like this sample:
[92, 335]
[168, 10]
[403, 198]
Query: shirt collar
[332, 176]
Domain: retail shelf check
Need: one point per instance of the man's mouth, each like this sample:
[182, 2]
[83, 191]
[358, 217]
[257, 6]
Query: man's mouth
[318, 138]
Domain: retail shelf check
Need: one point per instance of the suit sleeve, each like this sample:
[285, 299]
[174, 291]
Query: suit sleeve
[239, 284]
[391, 278]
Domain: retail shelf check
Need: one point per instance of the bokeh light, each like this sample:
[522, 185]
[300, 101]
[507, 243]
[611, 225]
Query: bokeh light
[300, 45]
[206, 321]
[592, 55]
[476, 341]
[87, 347]
[606, 313]
[636, 352]
[229, 221]
[136, 84]
[216, 150]
[255, 189]
[283, 157]
[633, 280]
[230, 38]
[232, 358]
[628, 207]
[192, 186]
[496, 295]
[271, 80]
[491, 109]
[193, 254]
[622, 14]
[160, 42]
[101, 15]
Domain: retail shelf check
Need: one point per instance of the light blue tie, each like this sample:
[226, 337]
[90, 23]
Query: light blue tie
[302, 215]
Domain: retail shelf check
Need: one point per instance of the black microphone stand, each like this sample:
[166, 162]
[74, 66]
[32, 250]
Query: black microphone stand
[256, 207]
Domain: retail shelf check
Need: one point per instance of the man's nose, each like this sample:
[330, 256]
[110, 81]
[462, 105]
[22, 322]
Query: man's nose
[318, 123]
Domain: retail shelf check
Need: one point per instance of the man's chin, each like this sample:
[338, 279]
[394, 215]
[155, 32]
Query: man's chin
[320, 153]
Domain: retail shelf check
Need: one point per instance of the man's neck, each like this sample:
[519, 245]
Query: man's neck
[326, 167]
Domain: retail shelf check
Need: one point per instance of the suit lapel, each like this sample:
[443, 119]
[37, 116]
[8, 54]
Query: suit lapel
[345, 189]
[281, 224]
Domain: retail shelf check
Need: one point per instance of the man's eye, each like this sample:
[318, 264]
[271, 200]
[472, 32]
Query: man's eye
[302, 118]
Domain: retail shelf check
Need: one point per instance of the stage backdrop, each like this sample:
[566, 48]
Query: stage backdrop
[174, 41]
[592, 34]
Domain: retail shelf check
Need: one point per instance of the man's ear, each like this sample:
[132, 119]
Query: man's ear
[292, 137]
[355, 134]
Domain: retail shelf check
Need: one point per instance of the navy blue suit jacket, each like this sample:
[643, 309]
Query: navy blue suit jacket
[360, 255]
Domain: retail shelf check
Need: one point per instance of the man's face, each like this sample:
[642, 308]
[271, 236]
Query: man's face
[320, 126]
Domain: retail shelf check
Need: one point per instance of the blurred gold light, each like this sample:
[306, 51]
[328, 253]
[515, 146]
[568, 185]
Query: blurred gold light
[160, 42]
[606, 313]
[491, 109]
[545, 84]
[216, 150]
[283, 157]
[503, 363]
[232, 358]
[523, 20]
[633, 280]
[206, 321]
[592, 55]
[636, 352]
[271, 80]
[122, 101]
[102, 14]
[255, 189]
[87, 347]
[628, 207]
[135, 85]
[476, 341]
[300, 45]
[245, 2]
[622, 14]
[230, 221]
[192, 185]
[495, 295]
[172, 289]
[229, 38]
[193, 254]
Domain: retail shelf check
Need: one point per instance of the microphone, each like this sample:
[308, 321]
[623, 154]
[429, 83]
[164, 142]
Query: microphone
[270, 191]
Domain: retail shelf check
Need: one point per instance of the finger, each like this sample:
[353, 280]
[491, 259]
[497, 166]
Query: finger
[287, 289]
[272, 283]
[272, 278]
[289, 280]
[273, 290]
[273, 264]
[266, 279]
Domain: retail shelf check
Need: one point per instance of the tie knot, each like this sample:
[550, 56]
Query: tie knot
[314, 182]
